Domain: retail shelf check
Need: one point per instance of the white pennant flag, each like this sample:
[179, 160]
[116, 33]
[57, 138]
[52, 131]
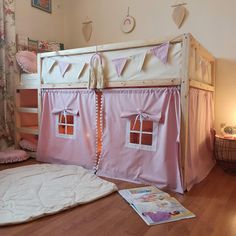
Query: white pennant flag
[119, 64]
[63, 66]
[80, 68]
[49, 64]
[141, 60]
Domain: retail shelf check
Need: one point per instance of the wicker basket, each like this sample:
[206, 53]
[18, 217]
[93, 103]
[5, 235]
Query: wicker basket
[225, 153]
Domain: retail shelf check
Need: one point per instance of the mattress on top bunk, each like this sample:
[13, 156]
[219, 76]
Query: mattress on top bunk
[76, 67]
[29, 79]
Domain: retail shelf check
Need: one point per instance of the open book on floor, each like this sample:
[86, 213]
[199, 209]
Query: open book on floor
[154, 205]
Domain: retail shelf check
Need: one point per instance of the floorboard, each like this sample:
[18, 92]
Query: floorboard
[213, 201]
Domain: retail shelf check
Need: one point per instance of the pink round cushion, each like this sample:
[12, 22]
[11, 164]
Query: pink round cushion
[10, 156]
[27, 145]
[27, 61]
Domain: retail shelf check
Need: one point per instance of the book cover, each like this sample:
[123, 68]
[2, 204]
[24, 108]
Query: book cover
[155, 206]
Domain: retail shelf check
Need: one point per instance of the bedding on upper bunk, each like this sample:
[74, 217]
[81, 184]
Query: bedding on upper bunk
[25, 43]
[28, 48]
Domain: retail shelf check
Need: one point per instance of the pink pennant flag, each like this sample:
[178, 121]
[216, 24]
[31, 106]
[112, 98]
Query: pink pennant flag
[119, 64]
[161, 52]
[63, 66]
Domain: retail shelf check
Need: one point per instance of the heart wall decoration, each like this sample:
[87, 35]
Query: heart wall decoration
[87, 30]
[179, 14]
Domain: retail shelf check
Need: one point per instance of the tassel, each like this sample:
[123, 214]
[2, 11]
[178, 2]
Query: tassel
[100, 77]
[92, 78]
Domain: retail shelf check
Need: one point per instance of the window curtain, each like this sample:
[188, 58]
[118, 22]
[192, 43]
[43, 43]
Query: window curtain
[160, 167]
[79, 150]
[8, 71]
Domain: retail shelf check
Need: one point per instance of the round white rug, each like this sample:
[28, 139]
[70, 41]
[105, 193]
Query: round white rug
[30, 192]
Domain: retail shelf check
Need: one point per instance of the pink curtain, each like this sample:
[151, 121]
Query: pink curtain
[201, 134]
[160, 166]
[80, 149]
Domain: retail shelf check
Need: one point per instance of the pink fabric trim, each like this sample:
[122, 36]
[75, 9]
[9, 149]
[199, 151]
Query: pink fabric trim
[10, 156]
[140, 113]
[27, 145]
[27, 61]
[66, 110]
[161, 52]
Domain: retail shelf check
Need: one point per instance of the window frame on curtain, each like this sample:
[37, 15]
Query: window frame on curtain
[130, 130]
[60, 123]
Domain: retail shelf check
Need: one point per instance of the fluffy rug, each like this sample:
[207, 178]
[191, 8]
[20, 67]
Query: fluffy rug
[30, 192]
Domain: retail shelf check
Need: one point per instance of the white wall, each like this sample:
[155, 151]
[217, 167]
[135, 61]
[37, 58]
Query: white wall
[38, 24]
[212, 22]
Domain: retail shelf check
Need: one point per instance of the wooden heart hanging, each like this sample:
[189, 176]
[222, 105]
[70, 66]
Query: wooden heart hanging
[87, 30]
[178, 15]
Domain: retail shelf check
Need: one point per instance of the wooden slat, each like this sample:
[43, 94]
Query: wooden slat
[69, 85]
[27, 110]
[144, 83]
[28, 130]
[184, 104]
[28, 86]
[39, 69]
[202, 51]
[200, 85]
[120, 84]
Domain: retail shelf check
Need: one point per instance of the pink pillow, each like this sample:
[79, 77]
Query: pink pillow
[27, 145]
[27, 61]
[10, 156]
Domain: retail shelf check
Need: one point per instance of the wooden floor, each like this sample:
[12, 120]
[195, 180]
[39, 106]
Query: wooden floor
[213, 201]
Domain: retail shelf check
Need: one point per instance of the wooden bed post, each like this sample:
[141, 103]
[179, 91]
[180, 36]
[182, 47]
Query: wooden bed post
[184, 105]
[39, 69]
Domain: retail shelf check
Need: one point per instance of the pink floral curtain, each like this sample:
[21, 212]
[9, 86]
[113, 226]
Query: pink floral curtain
[7, 68]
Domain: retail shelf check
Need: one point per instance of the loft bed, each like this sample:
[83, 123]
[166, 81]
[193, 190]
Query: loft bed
[146, 117]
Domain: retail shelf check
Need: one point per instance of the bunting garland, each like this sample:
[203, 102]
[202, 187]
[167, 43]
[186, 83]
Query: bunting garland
[160, 52]
[119, 64]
